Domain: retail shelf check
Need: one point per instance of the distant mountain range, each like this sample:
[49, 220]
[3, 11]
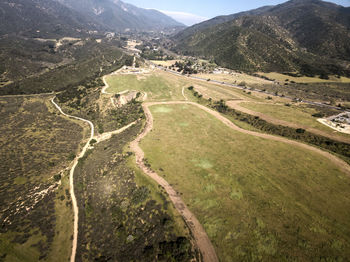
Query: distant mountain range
[307, 36]
[120, 16]
[55, 18]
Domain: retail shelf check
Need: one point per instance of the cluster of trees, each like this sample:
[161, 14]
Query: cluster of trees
[185, 67]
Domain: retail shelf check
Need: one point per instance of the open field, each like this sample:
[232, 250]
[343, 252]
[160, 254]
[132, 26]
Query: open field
[36, 145]
[156, 85]
[257, 199]
[298, 116]
[165, 63]
[277, 110]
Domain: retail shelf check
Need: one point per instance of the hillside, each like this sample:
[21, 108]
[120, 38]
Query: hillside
[43, 18]
[120, 16]
[306, 36]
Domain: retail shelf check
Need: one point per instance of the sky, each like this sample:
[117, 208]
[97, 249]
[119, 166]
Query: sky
[194, 11]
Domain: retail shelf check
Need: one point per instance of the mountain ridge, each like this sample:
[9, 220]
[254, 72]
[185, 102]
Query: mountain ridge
[309, 37]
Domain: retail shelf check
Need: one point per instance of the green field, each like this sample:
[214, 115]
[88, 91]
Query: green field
[158, 88]
[257, 199]
[294, 114]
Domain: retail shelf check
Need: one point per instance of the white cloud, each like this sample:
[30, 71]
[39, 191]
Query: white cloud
[185, 18]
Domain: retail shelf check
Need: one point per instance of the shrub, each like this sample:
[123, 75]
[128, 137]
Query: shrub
[57, 177]
[300, 130]
[242, 83]
[318, 115]
[71, 156]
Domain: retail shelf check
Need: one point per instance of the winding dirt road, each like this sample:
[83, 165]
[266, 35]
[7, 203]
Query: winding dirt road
[201, 238]
[71, 179]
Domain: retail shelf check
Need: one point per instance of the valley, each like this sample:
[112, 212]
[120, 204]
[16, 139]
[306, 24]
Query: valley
[127, 135]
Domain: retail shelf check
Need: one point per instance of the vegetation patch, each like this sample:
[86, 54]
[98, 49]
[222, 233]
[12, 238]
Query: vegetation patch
[34, 148]
[261, 200]
[120, 220]
[157, 87]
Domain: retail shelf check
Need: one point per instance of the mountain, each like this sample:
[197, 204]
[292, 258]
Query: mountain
[57, 18]
[120, 16]
[43, 18]
[219, 20]
[309, 36]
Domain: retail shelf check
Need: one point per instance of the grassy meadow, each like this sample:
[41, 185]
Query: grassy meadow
[157, 86]
[257, 199]
[297, 114]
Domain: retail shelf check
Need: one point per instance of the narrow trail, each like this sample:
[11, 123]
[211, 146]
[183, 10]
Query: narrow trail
[236, 105]
[105, 136]
[99, 138]
[201, 238]
[71, 179]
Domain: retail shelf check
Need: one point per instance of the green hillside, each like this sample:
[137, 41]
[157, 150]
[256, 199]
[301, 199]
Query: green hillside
[276, 39]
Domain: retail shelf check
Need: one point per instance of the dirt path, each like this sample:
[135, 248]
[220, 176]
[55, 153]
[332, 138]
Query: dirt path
[235, 105]
[108, 135]
[201, 238]
[71, 179]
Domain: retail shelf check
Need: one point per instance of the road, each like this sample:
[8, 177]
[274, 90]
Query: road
[71, 179]
[201, 238]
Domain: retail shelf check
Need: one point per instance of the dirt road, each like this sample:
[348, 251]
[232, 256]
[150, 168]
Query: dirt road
[236, 105]
[71, 179]
[201, 238]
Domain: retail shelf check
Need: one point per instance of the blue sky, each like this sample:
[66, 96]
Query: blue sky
[192, 11]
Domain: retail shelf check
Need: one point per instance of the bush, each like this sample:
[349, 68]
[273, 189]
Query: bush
[57, 177]
[242, 83]
[300, 131]
[318, 115]
[71, 156]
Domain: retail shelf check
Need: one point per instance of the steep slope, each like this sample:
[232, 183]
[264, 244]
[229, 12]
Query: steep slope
[219, 20]
[309, 36]
[120, 16]
[43, 18]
